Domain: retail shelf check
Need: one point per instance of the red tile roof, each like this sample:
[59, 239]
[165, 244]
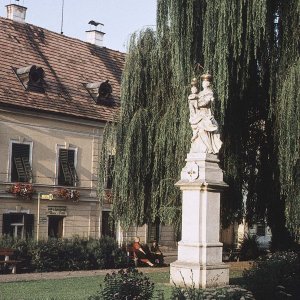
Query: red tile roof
[68, 64]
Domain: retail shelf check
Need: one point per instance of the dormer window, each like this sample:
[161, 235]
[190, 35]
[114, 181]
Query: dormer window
[105, 89]
[32, 78]
[101, 92]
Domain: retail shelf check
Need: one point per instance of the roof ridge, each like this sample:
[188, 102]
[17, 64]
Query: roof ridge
[56, 33]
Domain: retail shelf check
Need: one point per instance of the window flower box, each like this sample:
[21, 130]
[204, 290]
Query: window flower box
[22, 191]
[67, 194]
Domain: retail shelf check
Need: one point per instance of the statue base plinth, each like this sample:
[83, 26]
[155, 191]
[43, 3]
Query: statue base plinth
[202, 167]
[200, 252]
[201, 276]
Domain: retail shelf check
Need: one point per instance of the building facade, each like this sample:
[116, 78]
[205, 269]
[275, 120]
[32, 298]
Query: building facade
[56, 95]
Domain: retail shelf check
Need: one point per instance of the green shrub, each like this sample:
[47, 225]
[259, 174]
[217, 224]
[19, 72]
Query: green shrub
[22, 253]
[74, 255]
[6, 241]
[120, 258]
[66, 254]
[125, 285]
[46, 255]
[275, 276]
[249, 248]
[226, 293]
[105, 254]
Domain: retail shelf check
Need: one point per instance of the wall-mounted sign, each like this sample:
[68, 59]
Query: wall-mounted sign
[43, 219]
[46, 196]
[57, 210]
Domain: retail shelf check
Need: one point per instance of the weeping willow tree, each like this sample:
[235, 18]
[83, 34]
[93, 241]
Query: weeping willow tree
[252, 50]
[287, 111]
[150, 135]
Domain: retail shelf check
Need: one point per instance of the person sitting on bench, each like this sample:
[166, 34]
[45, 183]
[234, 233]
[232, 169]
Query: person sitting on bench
[141, 254]
[156, 253]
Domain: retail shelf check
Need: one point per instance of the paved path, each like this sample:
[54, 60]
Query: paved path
[170, 257]
[69, 274]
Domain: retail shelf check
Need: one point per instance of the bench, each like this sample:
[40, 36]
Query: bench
[131, 256]
[5, 260]
[235, 255]
[231, 255]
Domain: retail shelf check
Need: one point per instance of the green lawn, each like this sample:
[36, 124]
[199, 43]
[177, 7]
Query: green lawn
[69, 288]
[76, 288]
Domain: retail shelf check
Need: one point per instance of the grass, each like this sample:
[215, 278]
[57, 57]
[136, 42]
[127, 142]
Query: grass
[80, 288]
[69, 288]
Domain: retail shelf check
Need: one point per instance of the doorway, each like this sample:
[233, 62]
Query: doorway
[55, 226]
[107, 226]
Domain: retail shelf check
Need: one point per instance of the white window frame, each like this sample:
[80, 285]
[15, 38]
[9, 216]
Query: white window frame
[9, 166]
[58, 147]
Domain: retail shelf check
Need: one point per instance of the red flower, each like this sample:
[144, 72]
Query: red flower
[22, 190]
[68, 194]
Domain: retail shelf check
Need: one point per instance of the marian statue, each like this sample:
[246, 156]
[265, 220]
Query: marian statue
[206, 138]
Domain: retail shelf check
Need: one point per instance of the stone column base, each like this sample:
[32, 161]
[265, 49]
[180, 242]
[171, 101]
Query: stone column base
[201, 276]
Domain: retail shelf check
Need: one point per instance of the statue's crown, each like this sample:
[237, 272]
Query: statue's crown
[206, 77]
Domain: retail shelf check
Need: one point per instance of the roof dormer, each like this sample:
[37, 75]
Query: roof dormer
[32, 78]
[101, 92]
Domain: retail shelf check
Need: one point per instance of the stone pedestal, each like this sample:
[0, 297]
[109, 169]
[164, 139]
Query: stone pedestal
[200, 252]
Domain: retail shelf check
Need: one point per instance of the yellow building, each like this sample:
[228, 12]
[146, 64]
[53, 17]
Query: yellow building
[56, 94]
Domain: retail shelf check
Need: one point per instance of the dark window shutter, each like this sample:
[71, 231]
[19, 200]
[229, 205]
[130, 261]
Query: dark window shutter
[67, 172]
[64, 176]
[28, 225]
[20, 166]
[6, 223]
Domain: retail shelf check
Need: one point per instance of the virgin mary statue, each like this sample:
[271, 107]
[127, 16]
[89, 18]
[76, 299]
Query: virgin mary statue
[206, 138]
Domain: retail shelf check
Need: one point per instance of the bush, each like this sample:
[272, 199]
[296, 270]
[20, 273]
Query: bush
[22, 253]
[66, 254]
[228, 293]
[74, 255]
[275, 276]
[105, 254]
[6, 242]
[249, 248]
[129, 284]
[46, 256]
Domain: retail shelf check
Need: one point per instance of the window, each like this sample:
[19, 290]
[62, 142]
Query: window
[18, 225]
[261, 229]
[20, 163]
[32, 78]
[101, 92]
[67, 173]
[110, 167]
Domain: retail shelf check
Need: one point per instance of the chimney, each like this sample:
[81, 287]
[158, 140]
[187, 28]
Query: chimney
[95, 36]
[16, 12]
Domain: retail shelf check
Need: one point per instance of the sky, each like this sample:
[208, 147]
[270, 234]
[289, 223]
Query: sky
[120, 17]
